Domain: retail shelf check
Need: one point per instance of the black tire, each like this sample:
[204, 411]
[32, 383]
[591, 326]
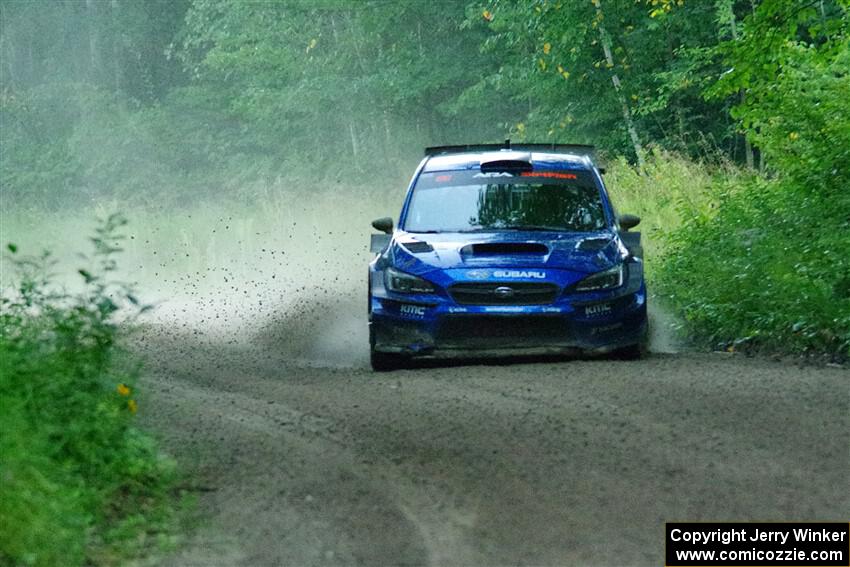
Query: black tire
[631, 352]
[635, 351]
[385, 361]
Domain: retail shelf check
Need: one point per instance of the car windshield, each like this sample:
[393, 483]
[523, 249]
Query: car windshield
[470, 201]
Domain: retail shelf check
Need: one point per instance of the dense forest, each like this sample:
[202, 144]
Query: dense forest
[161, 97]
[725, 124]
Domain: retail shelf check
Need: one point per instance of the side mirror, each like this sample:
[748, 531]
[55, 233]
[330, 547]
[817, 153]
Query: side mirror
[629, 221]
[384, 224]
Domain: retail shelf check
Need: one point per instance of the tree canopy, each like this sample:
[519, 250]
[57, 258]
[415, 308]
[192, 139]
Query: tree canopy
[199, 89]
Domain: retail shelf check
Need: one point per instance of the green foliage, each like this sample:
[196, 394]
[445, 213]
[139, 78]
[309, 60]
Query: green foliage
[74, 468]
[553, 62]
[35, 159]
[339, 85]
[665, 193]
[792, 62]
[768, 268]
[758, 276]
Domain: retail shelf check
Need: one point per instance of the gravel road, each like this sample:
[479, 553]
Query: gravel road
[545, 463]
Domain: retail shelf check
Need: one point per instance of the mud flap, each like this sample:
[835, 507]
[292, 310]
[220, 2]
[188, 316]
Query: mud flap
[632, 242]
[379, 242]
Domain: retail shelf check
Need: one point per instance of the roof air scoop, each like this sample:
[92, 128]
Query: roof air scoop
[518, 162]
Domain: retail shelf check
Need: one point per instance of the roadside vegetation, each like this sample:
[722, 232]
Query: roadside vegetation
[79, 483]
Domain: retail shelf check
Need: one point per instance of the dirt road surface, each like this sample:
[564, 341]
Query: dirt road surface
[545, 463]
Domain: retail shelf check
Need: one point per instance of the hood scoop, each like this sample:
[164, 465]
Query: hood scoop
[417, 247]
[505, 249]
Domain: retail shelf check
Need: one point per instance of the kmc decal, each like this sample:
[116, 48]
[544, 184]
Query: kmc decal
[596, 310]
[412, 311]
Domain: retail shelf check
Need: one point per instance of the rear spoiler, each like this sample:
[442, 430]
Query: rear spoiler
[575, 149]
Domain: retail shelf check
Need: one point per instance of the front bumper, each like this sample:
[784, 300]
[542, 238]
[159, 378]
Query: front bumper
[602, 323]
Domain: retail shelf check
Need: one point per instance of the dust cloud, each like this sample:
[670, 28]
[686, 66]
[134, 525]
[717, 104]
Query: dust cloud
[286, 274]
[290, 281]
[664, 330]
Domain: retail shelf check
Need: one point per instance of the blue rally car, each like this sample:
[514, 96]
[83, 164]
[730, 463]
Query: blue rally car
[506, 250]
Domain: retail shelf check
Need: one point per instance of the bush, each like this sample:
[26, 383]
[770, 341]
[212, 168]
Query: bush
[749, 262]
[666, 189]
[765, 271]
[769, 269]
[80, 484]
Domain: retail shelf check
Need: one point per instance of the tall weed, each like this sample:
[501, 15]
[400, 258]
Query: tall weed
[75, 472]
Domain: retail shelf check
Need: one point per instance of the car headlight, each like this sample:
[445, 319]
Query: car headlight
[401, 282]
[608, 279]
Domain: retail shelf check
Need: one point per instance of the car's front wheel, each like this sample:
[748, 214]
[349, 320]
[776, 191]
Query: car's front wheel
[631, 352]
[635, 351]
[382, 361]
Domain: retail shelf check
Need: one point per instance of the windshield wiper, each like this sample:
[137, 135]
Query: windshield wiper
[529, 227]
[538, 227]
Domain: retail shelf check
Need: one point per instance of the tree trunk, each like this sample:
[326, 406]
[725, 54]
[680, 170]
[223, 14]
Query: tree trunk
[748, 147]
[91, 17]
[627, 115]
[7, 55]
[353, 135]
[116, 47]
[726, 14]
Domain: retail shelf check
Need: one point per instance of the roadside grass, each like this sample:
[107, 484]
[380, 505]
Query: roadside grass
[665, 193]
[748, 262]
[79, 483]
[766, 272]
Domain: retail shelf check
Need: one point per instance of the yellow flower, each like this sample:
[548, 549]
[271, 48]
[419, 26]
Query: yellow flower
[488, 15]
[547, 47]
[123, 390]
[793, 136]
[131, 405]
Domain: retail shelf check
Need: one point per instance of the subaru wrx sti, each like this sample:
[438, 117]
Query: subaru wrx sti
[506, 250]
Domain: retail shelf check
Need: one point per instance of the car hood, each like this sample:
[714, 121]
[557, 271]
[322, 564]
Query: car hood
[420, 253]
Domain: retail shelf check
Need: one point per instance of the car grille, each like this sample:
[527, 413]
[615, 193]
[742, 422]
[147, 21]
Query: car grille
[502, 330]
[508, 293]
